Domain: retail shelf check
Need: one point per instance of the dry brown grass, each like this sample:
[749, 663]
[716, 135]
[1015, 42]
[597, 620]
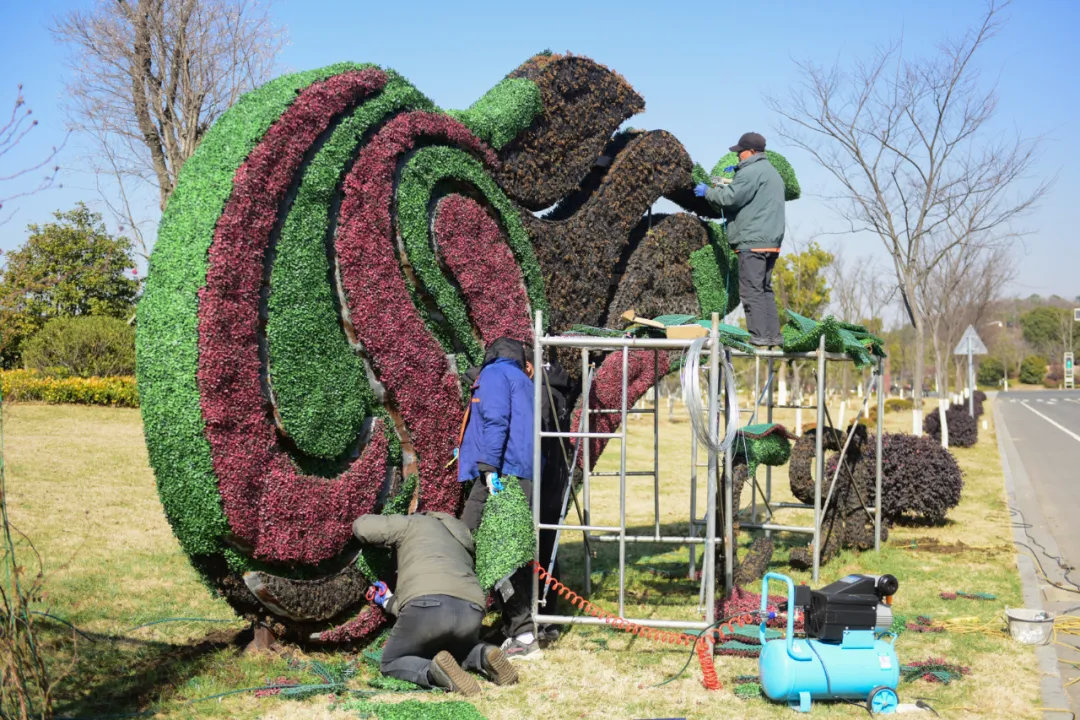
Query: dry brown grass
[81, 487]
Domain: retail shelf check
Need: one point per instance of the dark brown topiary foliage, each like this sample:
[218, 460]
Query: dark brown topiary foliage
[580, 255]
[845, 521]
[656, 278]
[963, 428]
[584, 103]
[755, 561]
[920, 479]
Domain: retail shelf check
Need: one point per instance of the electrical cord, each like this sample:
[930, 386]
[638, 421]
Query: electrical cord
[1065, 567]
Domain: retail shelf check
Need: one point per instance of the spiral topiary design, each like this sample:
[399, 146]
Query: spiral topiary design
[336, 253]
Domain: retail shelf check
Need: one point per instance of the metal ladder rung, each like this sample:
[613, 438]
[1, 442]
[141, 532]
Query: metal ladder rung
[629, 473]
[629, 411]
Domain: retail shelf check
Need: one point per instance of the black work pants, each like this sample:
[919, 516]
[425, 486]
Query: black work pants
[756, 294]
[427, 625]
[517, 611]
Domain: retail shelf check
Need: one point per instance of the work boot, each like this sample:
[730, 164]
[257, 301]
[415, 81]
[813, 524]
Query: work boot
[445, 672]
[497, 666]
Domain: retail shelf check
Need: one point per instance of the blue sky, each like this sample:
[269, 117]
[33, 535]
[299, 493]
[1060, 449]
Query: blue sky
[703, 69]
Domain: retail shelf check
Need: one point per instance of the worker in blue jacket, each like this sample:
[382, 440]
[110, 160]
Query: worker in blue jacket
[498, 442]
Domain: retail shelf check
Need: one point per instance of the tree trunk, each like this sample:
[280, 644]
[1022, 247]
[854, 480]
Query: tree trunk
[916, 380]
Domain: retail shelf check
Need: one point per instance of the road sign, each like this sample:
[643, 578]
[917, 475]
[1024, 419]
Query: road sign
[976, 346]
[1076, 314]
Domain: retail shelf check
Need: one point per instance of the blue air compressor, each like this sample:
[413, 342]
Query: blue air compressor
[844, 655]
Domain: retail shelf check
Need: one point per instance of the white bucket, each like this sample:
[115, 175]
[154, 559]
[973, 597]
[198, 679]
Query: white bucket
[1031, 627]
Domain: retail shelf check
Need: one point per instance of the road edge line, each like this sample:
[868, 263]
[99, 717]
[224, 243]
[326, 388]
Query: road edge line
[1050, 685]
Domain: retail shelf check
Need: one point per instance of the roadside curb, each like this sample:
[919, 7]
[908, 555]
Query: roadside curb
[1053, 692]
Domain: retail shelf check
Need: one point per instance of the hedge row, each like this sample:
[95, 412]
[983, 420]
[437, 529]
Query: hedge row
[32, 386]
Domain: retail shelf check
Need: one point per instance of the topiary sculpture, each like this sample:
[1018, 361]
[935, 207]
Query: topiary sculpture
[337, 252]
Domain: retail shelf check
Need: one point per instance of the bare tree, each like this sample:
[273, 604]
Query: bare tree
[13, 131]
[960, 291]
[909, 144]
[149, 79]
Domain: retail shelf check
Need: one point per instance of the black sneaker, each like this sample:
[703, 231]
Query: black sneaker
[515, 649]
[497, 666]
[445, 672]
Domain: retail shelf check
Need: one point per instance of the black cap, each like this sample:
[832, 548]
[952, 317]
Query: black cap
[749, 141]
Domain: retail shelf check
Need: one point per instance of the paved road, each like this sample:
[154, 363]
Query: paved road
[1044, 430]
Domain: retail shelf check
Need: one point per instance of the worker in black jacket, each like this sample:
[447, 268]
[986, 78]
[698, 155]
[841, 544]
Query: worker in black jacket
[438, 603]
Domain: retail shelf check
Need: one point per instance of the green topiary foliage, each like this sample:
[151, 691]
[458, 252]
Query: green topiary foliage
[428, 168]
[801, 334]
[778, 161]
[167, 340]
[763, 444]
[715, 269]
[503, 112]
[319, 382]
[504, 540]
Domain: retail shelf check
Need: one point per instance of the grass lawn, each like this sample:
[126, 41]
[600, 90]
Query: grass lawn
[80, 486]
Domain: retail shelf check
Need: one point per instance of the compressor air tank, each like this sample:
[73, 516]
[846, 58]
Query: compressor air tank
[844, 655]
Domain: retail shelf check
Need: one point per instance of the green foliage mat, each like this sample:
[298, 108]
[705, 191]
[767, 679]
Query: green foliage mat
[503, 112]
[412, 709]
[715, 269]
[504, 540]
[801, 334]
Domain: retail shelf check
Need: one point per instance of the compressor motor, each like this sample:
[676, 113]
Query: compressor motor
[844, 654]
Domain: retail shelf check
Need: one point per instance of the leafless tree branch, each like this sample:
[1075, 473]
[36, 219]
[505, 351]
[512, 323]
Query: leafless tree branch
[909, 145]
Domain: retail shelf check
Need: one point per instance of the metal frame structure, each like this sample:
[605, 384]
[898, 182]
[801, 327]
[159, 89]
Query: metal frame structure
[716, 402]
[822, 357]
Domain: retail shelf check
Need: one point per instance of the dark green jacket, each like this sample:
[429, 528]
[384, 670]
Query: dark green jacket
[753, 204]
[434, 555]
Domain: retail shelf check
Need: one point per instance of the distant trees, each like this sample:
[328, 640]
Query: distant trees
[66, 268]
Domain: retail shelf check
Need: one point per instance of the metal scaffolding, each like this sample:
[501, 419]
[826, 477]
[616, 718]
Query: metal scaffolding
[702, 531]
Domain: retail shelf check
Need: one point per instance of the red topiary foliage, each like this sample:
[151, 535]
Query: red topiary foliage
[284, 515]
[419, 380]
[471, 244]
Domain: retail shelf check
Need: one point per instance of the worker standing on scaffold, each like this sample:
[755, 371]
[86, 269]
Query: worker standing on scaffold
[439, 603]
[753, 203]
[498, 442]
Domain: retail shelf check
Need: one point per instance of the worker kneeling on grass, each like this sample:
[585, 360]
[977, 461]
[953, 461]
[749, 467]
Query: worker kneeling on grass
[498, 442]
[439, 603]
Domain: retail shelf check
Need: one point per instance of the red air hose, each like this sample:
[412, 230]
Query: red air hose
[703, 644]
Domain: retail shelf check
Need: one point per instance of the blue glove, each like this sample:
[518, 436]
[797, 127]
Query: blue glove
[730, 168]
[379, 593]
[700, 189]
[494, 484]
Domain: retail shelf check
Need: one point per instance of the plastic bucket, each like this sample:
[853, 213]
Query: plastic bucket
[1031, 627]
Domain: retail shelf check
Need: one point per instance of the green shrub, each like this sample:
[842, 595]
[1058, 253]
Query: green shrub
[991, 371]
[898, 404]
[1033, 369]
[85, 346]
[31, 386]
